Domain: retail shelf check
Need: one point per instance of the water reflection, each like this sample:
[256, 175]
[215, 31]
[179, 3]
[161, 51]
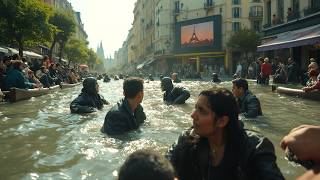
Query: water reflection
[40, 139]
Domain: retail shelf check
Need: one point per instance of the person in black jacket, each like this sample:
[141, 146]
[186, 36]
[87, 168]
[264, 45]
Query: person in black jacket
[89, 99]
[173, 95]
[215, 78]
[128, 113]
[218, 147]
[292, 71]
[175, 78]
[248, 103]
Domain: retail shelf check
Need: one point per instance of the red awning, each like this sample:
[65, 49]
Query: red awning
[301, 37]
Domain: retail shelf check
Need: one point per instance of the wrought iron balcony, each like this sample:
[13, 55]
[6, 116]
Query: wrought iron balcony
[266, 25]
[294, 16]
[208, 5]
[256, 14]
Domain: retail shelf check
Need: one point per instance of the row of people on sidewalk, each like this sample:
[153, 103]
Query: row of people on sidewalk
[216, 147]
[283, 72]
[16, 73]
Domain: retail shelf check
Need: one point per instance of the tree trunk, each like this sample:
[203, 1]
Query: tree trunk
[52, 46]
[61, 51]
[20, 48]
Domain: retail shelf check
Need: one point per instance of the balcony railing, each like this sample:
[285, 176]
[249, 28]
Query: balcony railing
[312, 10]
[208, 5]
[294, 16]
[256, 14]
[266, 25]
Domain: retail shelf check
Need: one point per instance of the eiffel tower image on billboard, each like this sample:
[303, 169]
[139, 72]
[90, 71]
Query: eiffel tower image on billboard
[194, 39]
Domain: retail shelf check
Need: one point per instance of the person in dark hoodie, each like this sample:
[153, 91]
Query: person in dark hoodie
[128, 113]
[173, 95]
[215, 78]
[89, 99]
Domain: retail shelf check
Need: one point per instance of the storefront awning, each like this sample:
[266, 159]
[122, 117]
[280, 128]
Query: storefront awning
[145, 63]
[4, 50]
[12, 51]
[32, 55]
[301, 37]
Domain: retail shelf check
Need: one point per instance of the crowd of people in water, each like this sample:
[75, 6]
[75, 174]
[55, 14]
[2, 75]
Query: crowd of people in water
[216, 146]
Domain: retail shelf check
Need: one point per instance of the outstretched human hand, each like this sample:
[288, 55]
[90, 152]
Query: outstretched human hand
[303, 142]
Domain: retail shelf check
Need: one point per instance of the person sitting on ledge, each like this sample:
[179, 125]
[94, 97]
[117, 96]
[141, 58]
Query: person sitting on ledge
[248, 103]
[175, 78]
[173, 95]
[128, 113]
[89, 99]
[314, 81]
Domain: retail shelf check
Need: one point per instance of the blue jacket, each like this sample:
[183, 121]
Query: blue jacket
[15, 78]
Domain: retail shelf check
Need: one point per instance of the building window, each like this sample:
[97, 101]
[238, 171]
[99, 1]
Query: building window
[236, 2]
[177, 7]
[209, 2]
[257, 25]
[236, 12]
[314, 3]
[295, 5]
[256, 11]
[269, 12]
[280, 9]
[235, 26]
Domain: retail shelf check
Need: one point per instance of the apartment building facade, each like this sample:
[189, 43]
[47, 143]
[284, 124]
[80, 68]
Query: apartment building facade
[291, 29]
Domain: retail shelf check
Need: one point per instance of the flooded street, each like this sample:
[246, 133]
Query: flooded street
[41, 139]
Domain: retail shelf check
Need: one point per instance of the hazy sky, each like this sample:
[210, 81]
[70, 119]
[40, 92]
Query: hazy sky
[106, 20]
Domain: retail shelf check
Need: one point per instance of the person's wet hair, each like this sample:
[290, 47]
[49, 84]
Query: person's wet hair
[89, 85]
[16, 64]
[6, 58]
[132, 86]
[166, 84]
[146, 165]
[16, 57]
[222, 102]
[241, 83]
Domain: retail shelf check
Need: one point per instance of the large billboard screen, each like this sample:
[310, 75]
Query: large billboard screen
[199, 35]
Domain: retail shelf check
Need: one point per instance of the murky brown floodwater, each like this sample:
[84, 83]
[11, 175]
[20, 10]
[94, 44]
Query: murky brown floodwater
[40, 139]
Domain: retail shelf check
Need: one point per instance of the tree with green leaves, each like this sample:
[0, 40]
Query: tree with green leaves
[93, 58]
[76, 51]
[25, 21]
[65, 27]
[244, 40]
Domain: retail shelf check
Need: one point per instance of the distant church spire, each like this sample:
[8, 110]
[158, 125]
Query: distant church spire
[100, 51]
